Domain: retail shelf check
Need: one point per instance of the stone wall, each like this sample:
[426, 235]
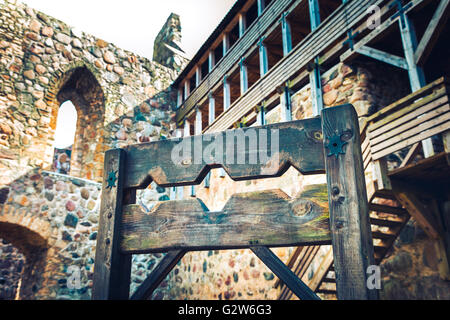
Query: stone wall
[11, 266]
[58, 216]
[120, 98]
[411, 270]
[167, 46]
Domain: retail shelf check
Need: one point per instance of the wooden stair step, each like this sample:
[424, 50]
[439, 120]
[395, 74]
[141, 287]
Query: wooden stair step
[326, 291]
[388, 209]
[329, 280]
[382, 235]
[385, 194]
[386, 222]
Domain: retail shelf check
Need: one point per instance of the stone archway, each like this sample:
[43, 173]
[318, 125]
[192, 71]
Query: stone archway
[80, 85]
[23, 262]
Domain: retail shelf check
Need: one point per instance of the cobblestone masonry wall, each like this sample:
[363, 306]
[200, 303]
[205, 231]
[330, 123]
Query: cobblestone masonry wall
[120, 97]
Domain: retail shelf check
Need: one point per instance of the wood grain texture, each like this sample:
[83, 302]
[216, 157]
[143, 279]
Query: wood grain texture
[253, 155]
[349, 210]
[259, 218]
[112, 268]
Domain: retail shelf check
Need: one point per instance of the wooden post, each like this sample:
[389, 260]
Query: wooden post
[242, 24]
[225, 44]
[316, 89]
[198, 122]
[347, 198]
[286, 34]
[186, 89]
[211, 61]
[198, 76]
[261, 6]
[263, 59]
[314, 75]
[112, 269]
[243, 76]
[179, 97]
[226, 93]
[446, 142]
[380, 175]
[286, 110]
[212, 109]
[416, 74]
[261, 116]
[314, 14]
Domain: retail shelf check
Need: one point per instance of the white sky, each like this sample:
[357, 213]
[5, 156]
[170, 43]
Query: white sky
[134, 24]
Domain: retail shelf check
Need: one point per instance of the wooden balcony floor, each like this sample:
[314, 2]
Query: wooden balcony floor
[432, 173]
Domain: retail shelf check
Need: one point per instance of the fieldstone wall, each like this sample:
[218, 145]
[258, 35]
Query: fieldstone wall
[121, 98]
[58, 215]
[11, 266]
[411, 270]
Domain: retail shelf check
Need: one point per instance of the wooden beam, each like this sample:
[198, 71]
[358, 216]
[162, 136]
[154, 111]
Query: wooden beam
[189, 225]
[380, 175]
[446, 143]
[158, 274]
[349, 209]
[112, 268]
[412, 153]
[301, 290]
[296, 143]
[418, 211]
[383, 56]
[432, 32]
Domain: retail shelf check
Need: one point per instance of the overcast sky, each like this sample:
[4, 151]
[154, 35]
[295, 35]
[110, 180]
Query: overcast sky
[134, 24]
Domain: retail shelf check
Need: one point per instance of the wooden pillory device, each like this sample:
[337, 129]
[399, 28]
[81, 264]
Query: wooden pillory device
[328, 144]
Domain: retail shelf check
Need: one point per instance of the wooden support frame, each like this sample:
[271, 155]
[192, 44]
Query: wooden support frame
[347, 228]
[432, 32]
[383, 56]
[112, 268]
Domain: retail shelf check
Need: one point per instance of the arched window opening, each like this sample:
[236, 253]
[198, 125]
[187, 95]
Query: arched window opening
[66, 125]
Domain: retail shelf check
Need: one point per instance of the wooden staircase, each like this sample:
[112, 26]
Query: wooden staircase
[403, 124]
[387, 219]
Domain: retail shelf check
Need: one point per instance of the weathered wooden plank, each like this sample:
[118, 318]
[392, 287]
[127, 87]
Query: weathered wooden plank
[432, 32]
[160, 272]
[419, 212]
[349, 209]
[112, 268]
[435, 99]
[407, 115]
[277, 266]
[411, 140]
[383, 56]
[409, 99]
[248, 153]
[260, 218]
